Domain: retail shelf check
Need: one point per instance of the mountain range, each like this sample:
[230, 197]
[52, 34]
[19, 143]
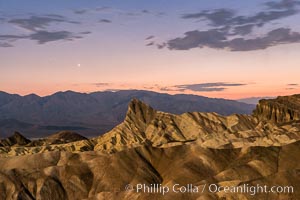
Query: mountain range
[95, 113]
[154, 147]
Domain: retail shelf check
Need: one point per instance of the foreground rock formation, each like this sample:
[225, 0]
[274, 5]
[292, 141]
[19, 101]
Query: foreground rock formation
[281, 110]
[95, 175]
[153, 147]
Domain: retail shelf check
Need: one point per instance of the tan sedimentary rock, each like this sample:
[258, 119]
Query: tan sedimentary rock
[153, 147]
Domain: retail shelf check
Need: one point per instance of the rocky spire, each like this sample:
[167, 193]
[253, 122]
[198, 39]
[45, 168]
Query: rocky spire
[139, 112]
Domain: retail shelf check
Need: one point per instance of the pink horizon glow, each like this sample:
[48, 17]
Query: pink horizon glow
[229, 93]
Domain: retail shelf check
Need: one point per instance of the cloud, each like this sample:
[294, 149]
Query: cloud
[105, 21]
[284, 4]
[208, 87]
[273, 38]
[217, 17]
[168, 89]
[108, 10]
[161, 46]
[150, 44]
[36, 23]
[101, 84]
[193, 39]
[116, 11]
[230, 31]
[221, 17]
[217, 39]
[149, 40]
[43, 37]
[12, 37]
[243, 29]
[145, 11]
[293, 84]
[85, 32]
[149, 37]
[80, 12]
[154, 13]
[91, 10]
[38, 30]
[5, 44]
[54, 15]
[264, 17]
[103, 8]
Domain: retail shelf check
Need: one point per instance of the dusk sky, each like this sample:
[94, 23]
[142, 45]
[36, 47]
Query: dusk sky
[216, 48]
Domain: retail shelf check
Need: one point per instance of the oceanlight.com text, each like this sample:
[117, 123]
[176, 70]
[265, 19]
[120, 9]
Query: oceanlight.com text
[211, 188]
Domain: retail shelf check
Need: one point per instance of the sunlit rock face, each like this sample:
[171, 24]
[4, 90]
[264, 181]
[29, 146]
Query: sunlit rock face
[279, 110]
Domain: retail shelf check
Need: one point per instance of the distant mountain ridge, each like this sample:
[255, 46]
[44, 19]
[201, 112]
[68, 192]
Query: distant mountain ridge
[96, 112]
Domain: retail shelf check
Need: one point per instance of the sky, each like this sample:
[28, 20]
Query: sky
[216, 48]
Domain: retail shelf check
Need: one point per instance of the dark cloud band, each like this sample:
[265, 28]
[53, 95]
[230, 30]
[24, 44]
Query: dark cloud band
[38, 30]
[35, 23]
[208, 87]
[42, 37]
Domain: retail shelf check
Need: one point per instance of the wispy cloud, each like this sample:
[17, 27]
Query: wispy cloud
[150, 37]
[36, 23]
[93, 10]
[284, 4]
[221, 17]
[150, 44]
[111, 10]
[38, 29]
[209, 87]
[216, 39]
[105, 21]
[80, 12]
[42, 37]
[217, 17]
[101, 84]
[292, 86]
[172, 89]
[12, 37]
[5, 44]
[203, 87]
